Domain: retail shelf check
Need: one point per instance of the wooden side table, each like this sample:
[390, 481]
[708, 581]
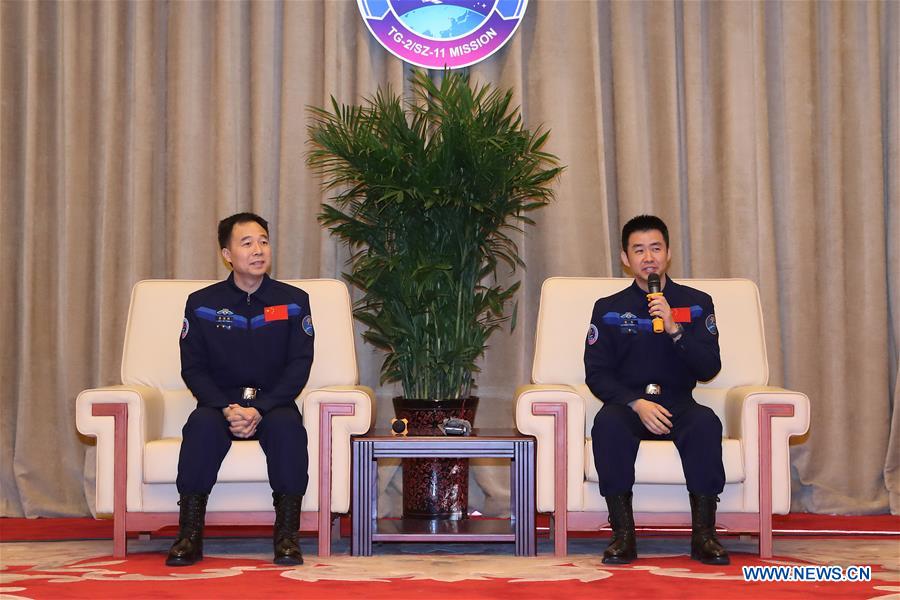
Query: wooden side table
[485, 443]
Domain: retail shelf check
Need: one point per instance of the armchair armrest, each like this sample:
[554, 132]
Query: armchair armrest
[754, 412]
[96, 413]
[554, 415]
[343, 411]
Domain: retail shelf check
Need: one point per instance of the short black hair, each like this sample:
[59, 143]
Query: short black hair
[227, 224]
[644, 223]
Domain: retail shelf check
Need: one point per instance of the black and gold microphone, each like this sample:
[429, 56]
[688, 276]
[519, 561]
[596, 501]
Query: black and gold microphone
[655, 289]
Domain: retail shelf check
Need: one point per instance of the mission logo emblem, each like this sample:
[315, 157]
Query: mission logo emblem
[438, 34]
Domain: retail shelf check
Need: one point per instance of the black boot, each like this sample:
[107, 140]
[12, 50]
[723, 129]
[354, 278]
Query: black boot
[623, 547]
[188, 546]
[705, 546]
[285, 535]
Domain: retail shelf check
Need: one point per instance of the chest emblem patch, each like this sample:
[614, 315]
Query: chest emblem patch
[307, 325]
[224, 318]
[628, 323]
[711, 324]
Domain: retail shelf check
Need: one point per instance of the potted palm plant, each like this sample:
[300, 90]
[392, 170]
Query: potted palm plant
[427, 194]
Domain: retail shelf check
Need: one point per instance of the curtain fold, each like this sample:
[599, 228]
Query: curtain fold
[889, 50]
[765, 134]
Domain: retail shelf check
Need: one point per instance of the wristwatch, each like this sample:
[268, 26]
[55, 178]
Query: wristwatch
[678, 332]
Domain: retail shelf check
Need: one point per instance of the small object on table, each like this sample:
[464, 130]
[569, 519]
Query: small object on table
[399, 426]
[455, 427]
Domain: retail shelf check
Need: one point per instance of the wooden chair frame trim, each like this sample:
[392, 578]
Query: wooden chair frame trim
[594, 520]
[124, 521]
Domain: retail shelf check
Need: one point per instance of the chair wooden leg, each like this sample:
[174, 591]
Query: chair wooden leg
[324, 537]
[559, 412]
[120, 543]
[766, 413]
[326, 412]
[119, 412]
[560, 534]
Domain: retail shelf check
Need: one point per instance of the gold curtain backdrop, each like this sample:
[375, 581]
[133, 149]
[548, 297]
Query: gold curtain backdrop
[765, 134]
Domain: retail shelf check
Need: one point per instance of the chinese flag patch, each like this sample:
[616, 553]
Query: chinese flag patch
[280, 313]
[681, 315]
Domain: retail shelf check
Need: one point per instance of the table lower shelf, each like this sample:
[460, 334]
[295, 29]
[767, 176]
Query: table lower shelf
[441, 530]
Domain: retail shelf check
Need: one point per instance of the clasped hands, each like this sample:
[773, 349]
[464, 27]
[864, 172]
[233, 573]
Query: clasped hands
[242, 420]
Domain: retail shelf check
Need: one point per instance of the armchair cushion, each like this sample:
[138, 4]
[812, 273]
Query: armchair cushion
[245, 462]
[659, 462]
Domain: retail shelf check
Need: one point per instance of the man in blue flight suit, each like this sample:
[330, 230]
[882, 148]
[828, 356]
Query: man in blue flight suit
[246, 353]
[645, 381]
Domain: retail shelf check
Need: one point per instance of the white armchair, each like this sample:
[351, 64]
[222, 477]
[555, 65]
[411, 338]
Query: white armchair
[138, 424]
[758, 420]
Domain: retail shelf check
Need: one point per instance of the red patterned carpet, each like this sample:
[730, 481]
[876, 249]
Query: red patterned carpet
[145, 575]
[240, 567]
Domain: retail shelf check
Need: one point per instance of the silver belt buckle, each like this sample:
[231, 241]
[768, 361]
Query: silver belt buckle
[653, 389]
[248, 394]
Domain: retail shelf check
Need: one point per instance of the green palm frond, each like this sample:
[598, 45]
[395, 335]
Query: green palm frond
[426, 195]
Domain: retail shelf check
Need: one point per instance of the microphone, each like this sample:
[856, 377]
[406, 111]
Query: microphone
[653, 285]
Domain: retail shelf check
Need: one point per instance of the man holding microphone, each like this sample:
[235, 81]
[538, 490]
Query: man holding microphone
[646, 348]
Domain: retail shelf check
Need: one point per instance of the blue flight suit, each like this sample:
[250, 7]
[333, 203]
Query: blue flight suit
[622, 356]
[231, 340]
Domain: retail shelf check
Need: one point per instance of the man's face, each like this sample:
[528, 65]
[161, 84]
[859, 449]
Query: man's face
[647, 253]
[248, 250]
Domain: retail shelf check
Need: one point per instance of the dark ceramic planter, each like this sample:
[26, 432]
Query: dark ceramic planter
[434, 488]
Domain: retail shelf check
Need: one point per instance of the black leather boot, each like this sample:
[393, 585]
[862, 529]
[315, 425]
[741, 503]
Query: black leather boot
[285, 536]
[623, 547]
[705, 546]
[188, 546]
